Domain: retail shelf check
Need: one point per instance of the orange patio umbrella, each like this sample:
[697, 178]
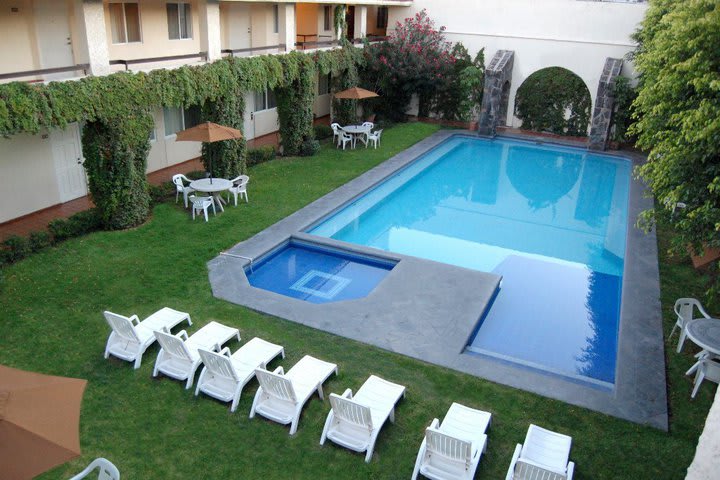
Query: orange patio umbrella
[208, 132]
[39, 422]
[356, 93]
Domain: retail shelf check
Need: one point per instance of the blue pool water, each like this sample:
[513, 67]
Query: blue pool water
[551, 220]
[316, 274]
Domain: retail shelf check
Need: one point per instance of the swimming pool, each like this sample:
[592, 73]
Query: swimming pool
[551, 220]
[317, 274]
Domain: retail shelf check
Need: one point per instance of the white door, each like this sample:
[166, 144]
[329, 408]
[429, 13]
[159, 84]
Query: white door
[52, 24]
[239, 28]
[249, 117]
[67, 155]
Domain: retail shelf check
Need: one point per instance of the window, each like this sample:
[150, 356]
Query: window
[327, 18]
[276, 18]
[179, 21]
[152, 137]
[265, 100]
[177, 118]
[324, 84]
[125, 22]
[382, 17]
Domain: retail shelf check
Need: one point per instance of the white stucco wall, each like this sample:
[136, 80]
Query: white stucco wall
[575, 34]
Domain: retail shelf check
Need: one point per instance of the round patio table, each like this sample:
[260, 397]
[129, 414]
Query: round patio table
[705, 333]
[356, 131]
[218, 185]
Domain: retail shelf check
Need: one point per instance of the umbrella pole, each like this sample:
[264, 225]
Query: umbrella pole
[210, 156]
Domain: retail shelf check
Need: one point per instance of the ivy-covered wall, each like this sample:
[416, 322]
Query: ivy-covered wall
[115, 111]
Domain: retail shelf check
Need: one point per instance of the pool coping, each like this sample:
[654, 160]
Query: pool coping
[433, 325]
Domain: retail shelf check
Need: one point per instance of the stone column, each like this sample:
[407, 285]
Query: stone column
[93, 32]
[286, 25]
[604, 104]
[494, 102]
[360, 21]
[209, 17]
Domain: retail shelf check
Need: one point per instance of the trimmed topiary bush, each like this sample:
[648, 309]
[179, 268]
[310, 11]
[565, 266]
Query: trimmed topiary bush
[259, 155]
[309, 147]
[15, 248]
[322, 132]
[39, 241]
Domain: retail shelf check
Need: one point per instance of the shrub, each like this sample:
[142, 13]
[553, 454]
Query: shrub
[259, 155]
[16, 248]
[39, 241]
[59, 229]
[322, 132]
[309, 147]
[162, 192]
[78, 224]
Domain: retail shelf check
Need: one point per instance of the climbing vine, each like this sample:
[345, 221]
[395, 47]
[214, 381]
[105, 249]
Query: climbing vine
[115, 111]
[554, 100]
[295, 104]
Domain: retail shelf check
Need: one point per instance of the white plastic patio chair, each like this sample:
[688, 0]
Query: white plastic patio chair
[685, 311]
[201, 204]
[179, 358]
[373, 137]
[707, 369]
[355, 422]
[224, 376]
[106, 470]
[453, 449]
[344, 139]
[370, 125]
[281, 396]
[543, 456]
[336, 132]
[239, 188]
[180, 187]
[130, 337]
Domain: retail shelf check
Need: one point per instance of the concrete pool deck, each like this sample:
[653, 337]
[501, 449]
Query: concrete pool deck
[429, 310]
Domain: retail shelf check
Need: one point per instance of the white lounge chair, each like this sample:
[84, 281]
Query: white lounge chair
[130, 337]
[180, 359]
[355, 422]
[281, 396]
[225, 375]
[106, 470]
[707, 369]
[180, 187]
[452, 450]
[543, 456]
[685, 311]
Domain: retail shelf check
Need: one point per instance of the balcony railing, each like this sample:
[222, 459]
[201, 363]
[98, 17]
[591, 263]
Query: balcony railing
[44, 71]
[280, 47]
[137, 61]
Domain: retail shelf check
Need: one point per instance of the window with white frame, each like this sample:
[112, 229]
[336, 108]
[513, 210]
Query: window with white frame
[327, 18]
[179, 18]
[125, 22]
[324, 84]
[178, 118]
[382, 17]
[276, 18]
[265, 100]
[152, 137]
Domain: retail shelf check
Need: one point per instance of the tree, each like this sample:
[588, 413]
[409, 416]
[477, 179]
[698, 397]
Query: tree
[677, 117]
[416, 59]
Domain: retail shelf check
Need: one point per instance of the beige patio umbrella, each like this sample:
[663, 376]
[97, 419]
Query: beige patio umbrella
[39, 422]
[208, 132]
[356, 93]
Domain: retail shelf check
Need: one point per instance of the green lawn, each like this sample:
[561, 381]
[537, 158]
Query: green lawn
[52, 322]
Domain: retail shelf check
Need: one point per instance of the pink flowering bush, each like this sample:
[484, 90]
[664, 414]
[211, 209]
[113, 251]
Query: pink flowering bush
[415, 59]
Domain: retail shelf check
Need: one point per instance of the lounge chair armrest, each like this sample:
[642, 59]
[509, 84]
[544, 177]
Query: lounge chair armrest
[480, 444]
[225, 351]
[135, 319]
[347, 393]
[511, 468]
[279, 371]
[182, 333]
[435, 423]
[570, 470]
[217, 347]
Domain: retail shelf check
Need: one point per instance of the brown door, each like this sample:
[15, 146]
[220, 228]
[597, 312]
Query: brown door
[350, 20]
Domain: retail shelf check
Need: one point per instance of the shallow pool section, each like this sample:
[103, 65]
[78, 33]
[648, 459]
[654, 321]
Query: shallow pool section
[317, 274]
[551, 220]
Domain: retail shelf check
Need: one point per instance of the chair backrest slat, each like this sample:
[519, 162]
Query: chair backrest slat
[173, 346]
[350, 411]
[528, 471]
[218, 365]
[276, 385]
[448, 446]
[122, 326]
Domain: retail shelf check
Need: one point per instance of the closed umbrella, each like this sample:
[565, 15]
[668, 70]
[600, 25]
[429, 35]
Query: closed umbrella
[39, 422]
[208, 132]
